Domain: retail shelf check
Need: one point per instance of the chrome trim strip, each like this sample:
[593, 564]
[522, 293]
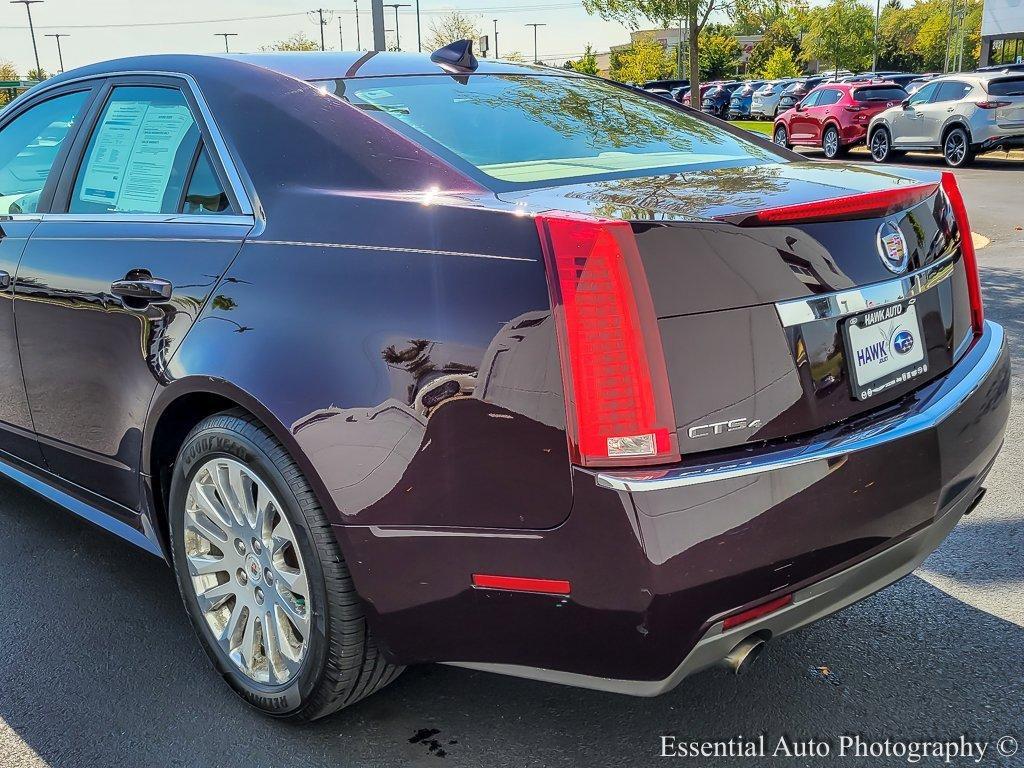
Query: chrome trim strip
[389, 249]
[81, 508]
[927, 417]
[154, 218]
[21, 217]
[245, 204]
[853, 300]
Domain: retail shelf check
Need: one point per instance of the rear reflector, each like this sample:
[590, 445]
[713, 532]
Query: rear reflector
[618, 405]
[867, 205]
[756, 613]
[956, 202]
[520, 584]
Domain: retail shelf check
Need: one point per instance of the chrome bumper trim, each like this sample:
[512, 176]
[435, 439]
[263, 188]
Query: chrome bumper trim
[959, 386]
[809, 605]
[849, 302]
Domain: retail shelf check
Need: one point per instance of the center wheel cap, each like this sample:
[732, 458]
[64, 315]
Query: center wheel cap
[252, 565]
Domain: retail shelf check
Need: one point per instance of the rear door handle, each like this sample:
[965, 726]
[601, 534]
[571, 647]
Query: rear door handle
[140, 285]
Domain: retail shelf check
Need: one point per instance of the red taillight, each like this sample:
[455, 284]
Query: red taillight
[956, 202]
[867, 205]
[993, 104]
[855, 108]
[521, 584]
[618, 405]
[757, 612]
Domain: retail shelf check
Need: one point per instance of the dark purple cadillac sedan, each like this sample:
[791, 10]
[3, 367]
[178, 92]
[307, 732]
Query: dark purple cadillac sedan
[401, 359]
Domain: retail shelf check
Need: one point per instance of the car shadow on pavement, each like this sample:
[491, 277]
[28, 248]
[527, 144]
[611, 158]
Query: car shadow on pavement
[100, 667]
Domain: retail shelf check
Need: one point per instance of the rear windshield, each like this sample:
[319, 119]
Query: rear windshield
[528, 130]
[879, 93]
[1010, 86]
[794, 88]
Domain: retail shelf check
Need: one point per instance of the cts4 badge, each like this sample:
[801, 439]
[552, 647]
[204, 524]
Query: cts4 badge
[892, 247]
[721, 427]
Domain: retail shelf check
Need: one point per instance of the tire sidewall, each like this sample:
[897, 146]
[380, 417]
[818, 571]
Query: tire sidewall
[203, 445]
[785, 136]
[830, 129]
[967, 152]
[888, 144]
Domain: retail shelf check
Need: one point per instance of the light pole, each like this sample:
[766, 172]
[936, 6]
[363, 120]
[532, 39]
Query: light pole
[225, 35]
[28, 9]
[495, 38]
[60, 56]
[396, 6]
[341, 38]
[535, 60]
[419, 36]
[878, 13]
[359, 39]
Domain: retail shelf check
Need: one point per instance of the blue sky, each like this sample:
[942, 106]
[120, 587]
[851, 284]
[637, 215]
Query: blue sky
[103, 29]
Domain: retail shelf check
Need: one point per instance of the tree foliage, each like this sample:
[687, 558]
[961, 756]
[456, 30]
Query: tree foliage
[447, 29]
[841, 35]
[587, 63]
[644, 60]
[719, 54]
[300, 41]
[7, 72]
[784, 32]
[780, 65]
[37, 74]
[914, 38]
[694, 15]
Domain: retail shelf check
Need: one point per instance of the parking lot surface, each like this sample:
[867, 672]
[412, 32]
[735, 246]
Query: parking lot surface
[98, 665]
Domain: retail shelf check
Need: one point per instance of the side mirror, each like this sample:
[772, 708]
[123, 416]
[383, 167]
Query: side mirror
[905, 103]
[799, 106]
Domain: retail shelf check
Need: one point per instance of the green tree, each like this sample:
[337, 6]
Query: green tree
[841, 35]
[897, 32]
[756, 17]
[931, 19]
[781, 64]
[644, 60]
[719, 55]
[667, 13]
[7, 72]
[448, 29]
[784, 32]
[297, 42]
[587, 64]
[37, 74]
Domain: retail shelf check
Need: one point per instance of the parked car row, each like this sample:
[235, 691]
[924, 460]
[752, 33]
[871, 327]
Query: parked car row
[960, 115]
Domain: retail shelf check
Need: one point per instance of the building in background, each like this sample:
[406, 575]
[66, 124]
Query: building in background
[1002, 32]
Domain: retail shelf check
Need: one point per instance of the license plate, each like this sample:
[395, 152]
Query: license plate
[885, 348]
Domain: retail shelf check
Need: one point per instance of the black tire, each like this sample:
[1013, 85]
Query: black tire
[956, 148]
[781, 137]
[343, 662]
[831, 143]
[880, 145]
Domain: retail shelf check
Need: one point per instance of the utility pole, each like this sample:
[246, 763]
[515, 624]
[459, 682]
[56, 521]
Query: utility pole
[377, 12]
[341, 37]
[225, 35]
[949, 34]
[325, 17]
[28, 9]
[535, 60]
[60, 56]
[359, 38]
[495, 38]
[396, 6]
[419, 36]
[878, 13]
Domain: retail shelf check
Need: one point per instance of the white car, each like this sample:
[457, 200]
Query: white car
[959, 115]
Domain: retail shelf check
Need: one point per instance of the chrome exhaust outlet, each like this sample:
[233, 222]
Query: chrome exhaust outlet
[743, 655]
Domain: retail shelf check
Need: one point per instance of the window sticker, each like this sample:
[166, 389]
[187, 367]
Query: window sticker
[132, 158]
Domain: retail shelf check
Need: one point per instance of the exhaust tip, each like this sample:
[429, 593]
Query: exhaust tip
[744, 655]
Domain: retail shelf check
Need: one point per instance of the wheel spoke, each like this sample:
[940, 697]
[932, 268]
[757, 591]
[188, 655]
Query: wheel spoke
[205, 565]
[215, 597]
[207, 528]
[295, 580]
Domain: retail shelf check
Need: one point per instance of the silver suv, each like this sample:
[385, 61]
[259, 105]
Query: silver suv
[765, 102]
[960, 115]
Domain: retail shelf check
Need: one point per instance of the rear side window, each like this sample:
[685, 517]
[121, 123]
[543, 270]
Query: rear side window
[879, 93]
[205, 193]
[827, 97]
[523, 130]
[139, 154]
[952, 91]
[29, 145]
[1011, 86]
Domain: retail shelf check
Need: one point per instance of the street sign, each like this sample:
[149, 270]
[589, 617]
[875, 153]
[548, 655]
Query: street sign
[483, 45]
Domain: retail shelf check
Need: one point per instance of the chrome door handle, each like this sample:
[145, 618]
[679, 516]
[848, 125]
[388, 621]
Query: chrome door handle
[140, 285]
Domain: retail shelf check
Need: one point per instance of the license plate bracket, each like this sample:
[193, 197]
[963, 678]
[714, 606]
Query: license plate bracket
[885, 347]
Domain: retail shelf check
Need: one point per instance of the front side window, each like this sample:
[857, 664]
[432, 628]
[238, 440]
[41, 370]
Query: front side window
[139, 154]
[924, 95]
[29, 145]
[811, 101]
[522, 130]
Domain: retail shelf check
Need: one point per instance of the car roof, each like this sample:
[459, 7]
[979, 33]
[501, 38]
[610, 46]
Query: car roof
[302, 65]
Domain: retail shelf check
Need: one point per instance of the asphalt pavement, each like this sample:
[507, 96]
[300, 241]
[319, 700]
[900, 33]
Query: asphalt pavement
[99, 667]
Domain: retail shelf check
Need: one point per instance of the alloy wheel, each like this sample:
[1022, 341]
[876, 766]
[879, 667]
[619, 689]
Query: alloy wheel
[780, 136]
[246, 571]
[879, 146]
[830, 143]
[956, 147]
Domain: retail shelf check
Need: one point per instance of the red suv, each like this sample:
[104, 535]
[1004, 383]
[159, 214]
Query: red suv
[835, 116]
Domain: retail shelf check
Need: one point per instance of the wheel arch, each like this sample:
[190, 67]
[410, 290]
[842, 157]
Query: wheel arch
[954, 122]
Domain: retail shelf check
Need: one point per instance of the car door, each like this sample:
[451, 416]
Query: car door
[35, 136]
[800, 121]
[143, 224]
[947, 98]
[908, 123]
[822, 108]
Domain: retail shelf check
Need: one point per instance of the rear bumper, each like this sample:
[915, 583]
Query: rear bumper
[997, 142]
[657, 560]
